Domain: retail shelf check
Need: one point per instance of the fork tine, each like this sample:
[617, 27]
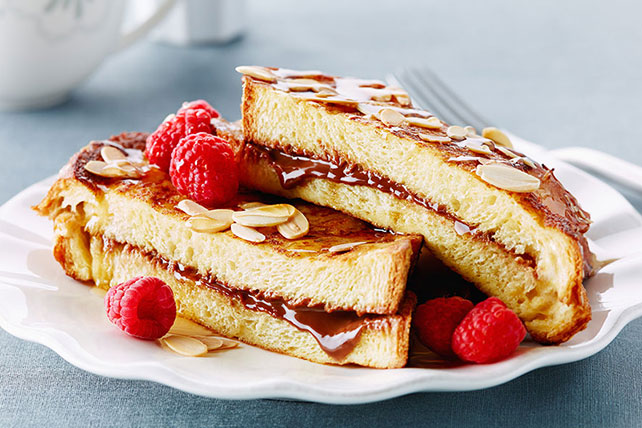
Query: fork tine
[424, 96]
[467, 112]
[432, 93]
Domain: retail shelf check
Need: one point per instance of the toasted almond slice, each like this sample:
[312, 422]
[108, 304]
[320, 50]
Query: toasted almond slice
[470, 131]
[505, 150]
[507, 177]
[326, 92]
[277, 210]
[204, 224]
[247, 218]
[430, 123]
[110, 154]
[95, 167]
[345, 247]
[191, 208]
[497, 136]
[528, 162]
[250, 205]
[477, 146]
[184, 327]
[403, 99]
[183, 345]
[130, 170]
[456, 132]
[296, 227]
[391, 117]
[329, 100]
[260, 73]
[211, 342]
[434, 138]
[98, 291]
[222, 215]
[247, 233]
[382, 95]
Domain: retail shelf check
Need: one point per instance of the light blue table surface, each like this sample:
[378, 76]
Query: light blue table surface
[558, 73]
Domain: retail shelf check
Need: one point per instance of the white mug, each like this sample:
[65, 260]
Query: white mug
[48, 47]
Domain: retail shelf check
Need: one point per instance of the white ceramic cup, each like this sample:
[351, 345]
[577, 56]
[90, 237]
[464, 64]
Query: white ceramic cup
[48, 47]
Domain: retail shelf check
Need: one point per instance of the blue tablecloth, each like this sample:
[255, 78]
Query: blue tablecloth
[557, 73]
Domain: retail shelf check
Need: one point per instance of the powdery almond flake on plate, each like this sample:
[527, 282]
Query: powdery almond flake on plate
[184, 345]
[184, 327]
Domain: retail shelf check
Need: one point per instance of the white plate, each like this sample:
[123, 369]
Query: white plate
[39, 303]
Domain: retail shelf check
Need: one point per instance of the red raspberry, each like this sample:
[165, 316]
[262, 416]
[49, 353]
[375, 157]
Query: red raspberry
[196, 120]
[162, 142]
[204, 169]
[490, 332]
[436, 320]
[142, 307]
[200, 104]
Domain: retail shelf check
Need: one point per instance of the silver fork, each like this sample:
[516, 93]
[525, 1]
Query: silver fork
[431, 93]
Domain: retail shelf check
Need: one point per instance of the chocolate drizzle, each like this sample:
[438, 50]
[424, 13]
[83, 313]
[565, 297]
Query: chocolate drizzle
[293, 169]
[336, 332]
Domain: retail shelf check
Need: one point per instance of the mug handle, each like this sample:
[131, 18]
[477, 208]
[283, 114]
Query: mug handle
[144, 27]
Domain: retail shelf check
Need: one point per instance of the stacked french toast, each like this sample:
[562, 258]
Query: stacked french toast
[341, 181]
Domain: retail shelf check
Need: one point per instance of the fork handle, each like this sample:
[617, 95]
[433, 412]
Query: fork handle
[615, 169]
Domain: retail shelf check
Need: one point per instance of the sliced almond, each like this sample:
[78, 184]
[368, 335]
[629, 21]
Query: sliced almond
[250, 205]
[430, 123]
[204, 224]
[260, 73]
[247, 233]
[326, 92]
[382, 96]
[95, 167]
[184, 327]
[470, 131]
[130, 170]
[330, 100]
[403, 99]
[110, 154]
[341, 248]
[497, 136]
[528, 162]
[505, 150]
[477, 146]
[222, 215]
[190, 207]
[391, 117]
[277, 210]
[246, 218]
[296, 227]
[434, 138]
[183, 345]
[508, 178]
[456, 132]
[211, 342]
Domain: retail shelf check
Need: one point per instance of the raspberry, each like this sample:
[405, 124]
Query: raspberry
[162, 142]
[204, 169]
[490, 332]
[142, 307]
[436, 320]
[196, 120]
[200, 104]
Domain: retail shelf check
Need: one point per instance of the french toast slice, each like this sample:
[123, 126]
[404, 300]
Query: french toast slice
[360, 147]
[369, 278]
[379, 341]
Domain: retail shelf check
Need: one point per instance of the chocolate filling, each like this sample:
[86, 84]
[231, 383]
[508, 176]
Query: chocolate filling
[336, 332]
[293, 169]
